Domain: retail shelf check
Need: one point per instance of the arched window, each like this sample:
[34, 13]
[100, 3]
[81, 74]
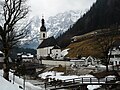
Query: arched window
[43, 35]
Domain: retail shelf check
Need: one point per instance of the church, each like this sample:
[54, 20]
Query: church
[48, 46]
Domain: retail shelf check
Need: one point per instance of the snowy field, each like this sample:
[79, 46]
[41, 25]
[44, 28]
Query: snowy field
[6, 85]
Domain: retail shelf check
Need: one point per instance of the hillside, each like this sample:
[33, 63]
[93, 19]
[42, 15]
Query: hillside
[102, 14]
[87, 44]
[84, 48]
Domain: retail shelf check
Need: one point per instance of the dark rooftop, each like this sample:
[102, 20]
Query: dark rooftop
[48, 42]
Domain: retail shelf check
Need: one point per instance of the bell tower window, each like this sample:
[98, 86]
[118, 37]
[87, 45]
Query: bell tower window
[43, 35]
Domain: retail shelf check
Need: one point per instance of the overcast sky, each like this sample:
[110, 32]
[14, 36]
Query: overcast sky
[52, 7]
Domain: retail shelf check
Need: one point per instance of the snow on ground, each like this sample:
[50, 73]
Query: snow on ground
[58, 75]
[6, 85]
[51, 73]
[93, 87]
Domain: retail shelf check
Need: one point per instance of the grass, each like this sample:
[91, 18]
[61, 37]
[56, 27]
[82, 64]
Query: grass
[84, 48]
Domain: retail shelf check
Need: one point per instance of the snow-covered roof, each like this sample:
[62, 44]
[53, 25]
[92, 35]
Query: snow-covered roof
[27, 56]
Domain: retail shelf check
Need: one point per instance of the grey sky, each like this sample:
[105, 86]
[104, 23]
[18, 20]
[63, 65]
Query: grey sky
[52, 7]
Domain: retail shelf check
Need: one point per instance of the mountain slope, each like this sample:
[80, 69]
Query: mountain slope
[102, 14]
[60, 23]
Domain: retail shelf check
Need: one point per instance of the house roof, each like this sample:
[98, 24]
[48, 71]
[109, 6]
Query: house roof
[48, 42]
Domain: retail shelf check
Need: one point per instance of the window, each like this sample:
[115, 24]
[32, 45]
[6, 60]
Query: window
[116, 62]
[1, 55]
[43, 35]
[112, 56]
[117, 56]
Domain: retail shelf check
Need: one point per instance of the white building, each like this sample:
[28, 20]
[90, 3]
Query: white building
[86, 61]
[26, 57]
[48, 46]
[91, 61]
[115, 55]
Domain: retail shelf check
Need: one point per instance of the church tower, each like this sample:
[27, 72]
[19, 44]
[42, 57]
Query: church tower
[43, 32]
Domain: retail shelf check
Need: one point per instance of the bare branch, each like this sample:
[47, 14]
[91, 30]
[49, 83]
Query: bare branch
[13, 12]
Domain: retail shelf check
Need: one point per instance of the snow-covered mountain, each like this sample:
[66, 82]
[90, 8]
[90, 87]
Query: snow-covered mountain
[60, 23]
[56, 25]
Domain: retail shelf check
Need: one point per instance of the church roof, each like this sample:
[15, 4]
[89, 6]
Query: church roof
[48, 42]
[56, 47]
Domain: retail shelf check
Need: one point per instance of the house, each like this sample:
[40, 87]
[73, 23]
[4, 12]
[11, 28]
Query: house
[48, 46]
[115, 56]
[114, 53]
[25, 57]
[86, 61]
[91, 61]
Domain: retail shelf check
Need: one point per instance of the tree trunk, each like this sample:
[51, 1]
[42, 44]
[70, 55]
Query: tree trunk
[6, 71]
[6, 67]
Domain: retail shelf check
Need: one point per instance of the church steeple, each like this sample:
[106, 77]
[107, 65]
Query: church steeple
[43, 21]
[43, 28]
[43, 32]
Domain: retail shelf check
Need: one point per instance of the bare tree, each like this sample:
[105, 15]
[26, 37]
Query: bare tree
[105, 40]
[11, 30]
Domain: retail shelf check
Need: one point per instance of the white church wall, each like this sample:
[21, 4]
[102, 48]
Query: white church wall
[43, 52]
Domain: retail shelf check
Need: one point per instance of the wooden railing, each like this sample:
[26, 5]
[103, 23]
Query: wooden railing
[84, 81]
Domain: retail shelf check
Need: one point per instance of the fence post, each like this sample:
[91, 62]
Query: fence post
[98, 80]
[73, 80]
[24, 82]
[106, 80]
[45, 85]
[82, 80]
[13, 78]
[90, 80]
